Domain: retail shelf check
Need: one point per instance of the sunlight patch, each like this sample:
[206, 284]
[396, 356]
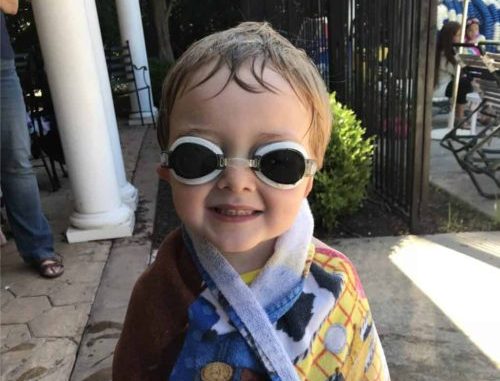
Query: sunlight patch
[464, 288]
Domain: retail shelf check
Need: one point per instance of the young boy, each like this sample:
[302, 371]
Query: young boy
[242, 291]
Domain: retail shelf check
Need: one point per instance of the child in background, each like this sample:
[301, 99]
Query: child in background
[472, 36]
[445, 68]
[243, 291]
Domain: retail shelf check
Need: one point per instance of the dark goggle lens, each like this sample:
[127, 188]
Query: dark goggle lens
[192, 161]
[283, 166]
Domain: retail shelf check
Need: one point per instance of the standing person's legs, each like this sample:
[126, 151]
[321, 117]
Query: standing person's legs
[464, 88]
[29, 226]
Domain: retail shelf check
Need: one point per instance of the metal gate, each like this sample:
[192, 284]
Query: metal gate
[304, 23]
[382, 54]
[378, 56]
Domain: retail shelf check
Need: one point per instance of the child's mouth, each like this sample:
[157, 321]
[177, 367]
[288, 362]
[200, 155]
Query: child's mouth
[235, 212]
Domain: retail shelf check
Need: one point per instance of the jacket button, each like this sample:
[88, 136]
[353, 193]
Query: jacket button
[216, 371]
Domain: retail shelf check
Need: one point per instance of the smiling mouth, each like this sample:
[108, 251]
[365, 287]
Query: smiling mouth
[236, 212]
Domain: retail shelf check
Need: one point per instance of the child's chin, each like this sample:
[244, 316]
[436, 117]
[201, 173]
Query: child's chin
[245, 247]
[233, 248]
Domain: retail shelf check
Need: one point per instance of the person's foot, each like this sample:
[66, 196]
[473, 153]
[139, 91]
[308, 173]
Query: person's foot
[462, 123]
[50, 267]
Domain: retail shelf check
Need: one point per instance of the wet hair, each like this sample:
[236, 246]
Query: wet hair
[257, 44]
[444, 46]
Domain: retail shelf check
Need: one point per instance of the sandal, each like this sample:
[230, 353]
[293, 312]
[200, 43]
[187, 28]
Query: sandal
[50, 267]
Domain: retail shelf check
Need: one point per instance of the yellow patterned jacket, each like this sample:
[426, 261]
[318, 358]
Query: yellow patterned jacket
[347, 346]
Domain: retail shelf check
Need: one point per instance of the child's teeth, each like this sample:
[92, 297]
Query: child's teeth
[236, 212]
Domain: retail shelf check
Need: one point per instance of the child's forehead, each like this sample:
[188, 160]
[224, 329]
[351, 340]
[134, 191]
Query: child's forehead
[212, 80]
[216, 104]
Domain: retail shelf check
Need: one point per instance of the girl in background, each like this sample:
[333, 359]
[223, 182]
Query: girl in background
[473, 36]
[445, 66]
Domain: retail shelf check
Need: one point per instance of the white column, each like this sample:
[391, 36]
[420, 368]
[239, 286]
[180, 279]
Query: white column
[128, 193]
[130, 21]
[74, 83]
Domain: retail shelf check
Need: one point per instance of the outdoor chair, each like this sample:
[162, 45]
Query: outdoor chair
[122, 76]
[45, 141]
[479, 153]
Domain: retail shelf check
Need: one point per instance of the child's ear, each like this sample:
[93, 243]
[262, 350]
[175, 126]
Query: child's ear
[163, 172]
[309, 186]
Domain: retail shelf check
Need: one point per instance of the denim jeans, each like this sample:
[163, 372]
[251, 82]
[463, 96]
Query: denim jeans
[19, 185]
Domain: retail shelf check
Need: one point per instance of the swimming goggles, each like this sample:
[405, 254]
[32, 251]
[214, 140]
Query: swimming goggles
[194, 161]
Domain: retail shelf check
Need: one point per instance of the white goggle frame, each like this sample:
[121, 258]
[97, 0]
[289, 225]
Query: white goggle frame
[224, 162]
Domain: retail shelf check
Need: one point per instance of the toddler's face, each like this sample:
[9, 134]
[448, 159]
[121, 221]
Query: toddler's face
[472, 31]
[237, 211]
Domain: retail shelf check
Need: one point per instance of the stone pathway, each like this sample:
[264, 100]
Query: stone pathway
[43, 320]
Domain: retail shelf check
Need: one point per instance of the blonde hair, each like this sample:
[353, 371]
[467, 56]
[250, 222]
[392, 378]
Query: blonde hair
[260, 44]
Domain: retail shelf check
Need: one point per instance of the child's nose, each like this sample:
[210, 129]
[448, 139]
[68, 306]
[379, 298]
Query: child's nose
[237, 179]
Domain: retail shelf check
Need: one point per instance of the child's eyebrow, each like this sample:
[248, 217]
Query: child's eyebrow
[209, 133]
[199, 131]
[270, 135]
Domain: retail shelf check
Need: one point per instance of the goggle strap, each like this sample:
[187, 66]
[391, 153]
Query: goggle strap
[311, 167]
[164, 159]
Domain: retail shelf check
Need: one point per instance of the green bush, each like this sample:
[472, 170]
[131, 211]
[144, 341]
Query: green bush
[340, 186]
[158, 71]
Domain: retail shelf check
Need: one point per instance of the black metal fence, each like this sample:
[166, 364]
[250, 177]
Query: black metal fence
[304, 23]
[378, 56]
[383, 67]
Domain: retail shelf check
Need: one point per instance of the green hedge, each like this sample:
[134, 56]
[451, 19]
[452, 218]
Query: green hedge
[341, 185]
